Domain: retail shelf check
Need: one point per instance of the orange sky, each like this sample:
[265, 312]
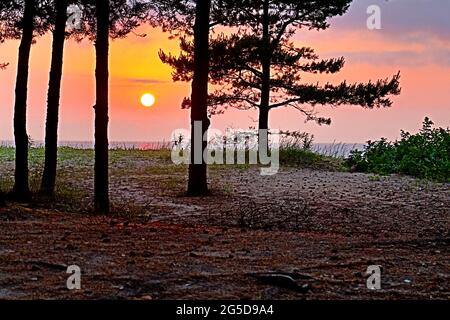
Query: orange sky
[135, 69]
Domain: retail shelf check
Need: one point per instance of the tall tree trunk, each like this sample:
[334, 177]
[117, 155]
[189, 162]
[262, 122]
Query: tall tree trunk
[54, 88]
[265, 85]
[2, 200]
[198, 184]
[263, 118]
[21, 187]
[101, 183]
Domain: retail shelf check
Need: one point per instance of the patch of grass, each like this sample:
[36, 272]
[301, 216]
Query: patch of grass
[227, 189]
[294, 156]
[6, 184]
[165, 170]
[80, 155]
[172, 182]
[70, 199]
[7, 154]
[128, 210]
[375, 178]
[120, 154]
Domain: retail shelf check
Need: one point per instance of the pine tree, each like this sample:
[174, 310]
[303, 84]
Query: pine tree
[101, 179]
[53, 97]
[103, 20]
[259, 66]
[24, 20]
[195, 19]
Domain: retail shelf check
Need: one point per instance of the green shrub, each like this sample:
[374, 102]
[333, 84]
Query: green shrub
[423, 155]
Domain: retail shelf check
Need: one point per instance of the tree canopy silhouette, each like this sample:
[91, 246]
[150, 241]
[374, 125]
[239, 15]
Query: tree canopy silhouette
[12, 14]
[123, 18]
[22, 20]
[260, 66]
[26, 20]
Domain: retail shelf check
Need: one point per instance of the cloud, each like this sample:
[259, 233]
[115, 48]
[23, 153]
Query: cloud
[400, 17]
[413, 33]
[147, 81]
[402, 58]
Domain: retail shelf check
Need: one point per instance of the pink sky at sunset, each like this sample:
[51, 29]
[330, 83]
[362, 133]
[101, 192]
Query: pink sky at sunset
[422, 57]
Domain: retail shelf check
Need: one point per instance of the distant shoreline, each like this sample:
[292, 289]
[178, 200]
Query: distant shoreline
[341, 149]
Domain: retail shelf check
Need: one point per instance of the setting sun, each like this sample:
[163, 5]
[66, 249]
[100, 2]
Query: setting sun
[148, 100]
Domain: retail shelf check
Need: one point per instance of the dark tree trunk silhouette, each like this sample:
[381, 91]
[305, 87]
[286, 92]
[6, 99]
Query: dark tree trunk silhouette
[263, 118]
[2, 200]
[265, 85]
[101, 183]
[54, 89]
[198, 184]
[21, 187]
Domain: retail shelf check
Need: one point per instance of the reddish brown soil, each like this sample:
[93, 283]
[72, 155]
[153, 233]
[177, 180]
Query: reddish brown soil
[322, 228]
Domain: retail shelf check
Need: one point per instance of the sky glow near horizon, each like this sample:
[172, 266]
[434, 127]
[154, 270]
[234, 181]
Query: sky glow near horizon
[415, 39]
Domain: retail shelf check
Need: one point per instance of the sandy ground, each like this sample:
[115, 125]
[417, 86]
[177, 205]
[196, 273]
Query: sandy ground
[322, 229]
